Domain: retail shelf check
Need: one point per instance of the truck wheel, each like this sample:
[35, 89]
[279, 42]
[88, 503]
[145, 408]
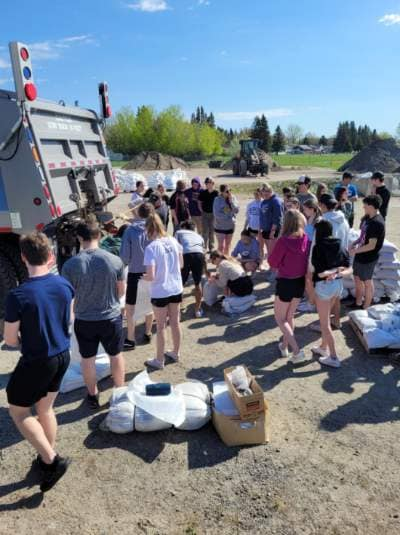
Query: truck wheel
[243, 168]
[8, 281]
[235, 167]
[12, 252]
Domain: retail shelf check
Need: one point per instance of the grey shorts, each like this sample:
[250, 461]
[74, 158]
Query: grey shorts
[364, 272]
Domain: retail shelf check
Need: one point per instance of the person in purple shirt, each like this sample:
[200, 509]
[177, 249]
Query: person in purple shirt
[193, 196]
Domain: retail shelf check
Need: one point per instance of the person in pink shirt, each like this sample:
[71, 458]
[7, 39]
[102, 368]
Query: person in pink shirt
[290, 259]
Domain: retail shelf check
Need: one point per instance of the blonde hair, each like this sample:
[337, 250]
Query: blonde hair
[293, 223]
[155, 227]
[267, 187]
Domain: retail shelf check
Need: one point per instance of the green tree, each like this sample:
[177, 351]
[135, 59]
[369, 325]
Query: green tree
[294, 133]
[211, 120]
[341, 142]
[323, 142]
[278, 140]
[306, 140]
[260, 130]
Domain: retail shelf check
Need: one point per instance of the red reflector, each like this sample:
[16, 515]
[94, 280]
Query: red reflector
[46, 192]
[117, 190]
[24, 53]
[108, 111]
[40, 226]
[52, 210]
[59, 211]
[37, 201]
[30, 91]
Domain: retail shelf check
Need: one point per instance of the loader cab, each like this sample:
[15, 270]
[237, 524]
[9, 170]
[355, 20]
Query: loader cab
[248, 147]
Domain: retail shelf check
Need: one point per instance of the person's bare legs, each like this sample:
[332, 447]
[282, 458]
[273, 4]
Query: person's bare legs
[130, 322]
[117, 363]
[270, 246]
[174, 323]
[290, 318]
[227, 244]
[220, 242]
[32, 430]
[281, 313]
[88, 367]
[47, 418]
[324, 312]
[310, 290]
[369, 293]
[360, 290]
[148, 323]
[198, 295]
[161, 315]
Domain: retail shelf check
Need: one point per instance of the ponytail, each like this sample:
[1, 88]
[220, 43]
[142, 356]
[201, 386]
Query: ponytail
[155, 227]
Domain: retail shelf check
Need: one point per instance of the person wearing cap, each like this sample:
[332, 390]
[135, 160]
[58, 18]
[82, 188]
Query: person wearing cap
[379, 188]
[303, 190]
[207, 198]
[352, 193]
[193, 196]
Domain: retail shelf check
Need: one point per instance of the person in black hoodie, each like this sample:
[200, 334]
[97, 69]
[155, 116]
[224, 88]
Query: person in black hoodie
[379, 188]
[330, 262]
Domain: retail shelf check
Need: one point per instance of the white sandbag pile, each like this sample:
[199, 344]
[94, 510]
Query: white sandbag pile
[380, 325]
[170, 179]
[155, 180]
[121, 416]
[197, 405]
[127, 180]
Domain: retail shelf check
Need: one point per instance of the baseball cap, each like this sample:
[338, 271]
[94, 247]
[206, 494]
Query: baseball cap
[347, 174]
[208, 180]
[378, 175]
[303, 179]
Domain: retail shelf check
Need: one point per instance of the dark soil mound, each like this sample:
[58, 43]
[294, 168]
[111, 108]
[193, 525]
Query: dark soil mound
[382, 155]
[150, 161]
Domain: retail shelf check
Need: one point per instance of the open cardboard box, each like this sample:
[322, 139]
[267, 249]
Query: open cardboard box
[250, 406]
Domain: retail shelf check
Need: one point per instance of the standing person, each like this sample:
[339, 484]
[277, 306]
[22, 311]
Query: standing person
[343, 204]
[179, 205]
[379, 188]
[366, 251]
[328, 204]
[207, 197]
[194, 260]
[271, 216]
[290, 259]
[225, 208]
[352, 193]
[163, 260]
[253, 210]
[39, 312]
[137, 195]
[97, 277]
[330, 262]
[303, 189]
[160, 207]
[193, 196]
[164, 196]
[134, 242]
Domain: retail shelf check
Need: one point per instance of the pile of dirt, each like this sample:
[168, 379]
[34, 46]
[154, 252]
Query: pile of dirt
[151, 161]
[264, 155]
[382, 155]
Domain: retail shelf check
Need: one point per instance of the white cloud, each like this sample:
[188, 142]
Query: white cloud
[149, 6]
[52, 49]
[4, 64]
[249, 115]
[390, 19]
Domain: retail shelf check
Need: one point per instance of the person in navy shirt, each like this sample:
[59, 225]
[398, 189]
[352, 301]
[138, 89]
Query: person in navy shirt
[352, 193]
[193, 195]
[37, 317]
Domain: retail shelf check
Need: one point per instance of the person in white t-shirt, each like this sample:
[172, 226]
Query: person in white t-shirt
[137, 195]
[252, 223]
[163, 259]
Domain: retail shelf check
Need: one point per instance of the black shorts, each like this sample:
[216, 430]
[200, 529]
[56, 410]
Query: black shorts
[266, 234]
[161, 302]
[193, 263]
[33, 380]
[241, 287]
[90, 334]
[288, 289]
[227, 232]
[132, 288]
[253, 231]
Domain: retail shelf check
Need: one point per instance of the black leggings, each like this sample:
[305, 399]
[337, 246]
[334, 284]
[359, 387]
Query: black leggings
[241, 286]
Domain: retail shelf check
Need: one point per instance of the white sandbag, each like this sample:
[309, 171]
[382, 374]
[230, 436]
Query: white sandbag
[391, 284]
[389, 247]
[211, 292]
[73, 377]
[143, 301]
[155, 180]
[172, 178]
[146, 423]
[377, 338]
[365, 323]
[197, 405]
[387, 274]
[393, 296]
[380, 311]
[358, 316]
[121, 416]
[238, 305]
[388, 265]
[127, 181]
[387, 258]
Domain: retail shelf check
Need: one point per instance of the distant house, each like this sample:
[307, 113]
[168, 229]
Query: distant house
[301, 149]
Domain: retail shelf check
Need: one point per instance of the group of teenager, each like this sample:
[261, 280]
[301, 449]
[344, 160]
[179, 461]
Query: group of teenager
[303, 238]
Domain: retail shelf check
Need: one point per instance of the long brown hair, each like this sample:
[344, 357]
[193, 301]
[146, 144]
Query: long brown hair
[155, 227]
[312, 204]
[293, 223]
[216, 254]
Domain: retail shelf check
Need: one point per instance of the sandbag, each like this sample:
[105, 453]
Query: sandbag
[387, 258]
[388, 274]
[155, 180]
[73, 377]
[211, 292]
[377, 338]
[388, 265]
[238, 305]
[146, 423]
[348, 283]
[380, 311]
[358, 316]
[121, 416]
[172, 178]
[389, 247]
[197, 405]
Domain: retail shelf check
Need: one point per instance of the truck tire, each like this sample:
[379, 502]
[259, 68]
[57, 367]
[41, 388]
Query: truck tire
[8, 281]
[12, 252]
[235, 167]
[243, 168]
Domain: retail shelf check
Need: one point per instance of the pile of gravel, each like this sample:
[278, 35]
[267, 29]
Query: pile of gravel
[382, 155]
[152, 161]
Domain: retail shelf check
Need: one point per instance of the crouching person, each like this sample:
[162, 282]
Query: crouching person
[98, 279]
[230, 276]
[38, 312]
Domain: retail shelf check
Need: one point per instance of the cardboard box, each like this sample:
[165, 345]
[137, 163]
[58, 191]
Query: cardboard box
[235, 431]
[248, 406]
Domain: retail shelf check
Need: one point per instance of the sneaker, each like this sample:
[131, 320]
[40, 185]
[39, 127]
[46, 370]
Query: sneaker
[300, 357]
[147, 338]
[172, 355]
[53, 472]
[129, 344]
[154, 363]
[306, 306]
[319, 351]
[199, 313]
[333, 362]
[283, 350]
[93, 401]
[39, 463]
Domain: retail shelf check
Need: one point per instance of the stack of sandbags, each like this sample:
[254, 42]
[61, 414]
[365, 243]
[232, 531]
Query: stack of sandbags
[380, 325]
[155, 180]
[127, 180]
[172, 178]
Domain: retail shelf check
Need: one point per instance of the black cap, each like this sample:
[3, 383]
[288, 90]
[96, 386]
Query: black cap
[378, 175]
[347, 174]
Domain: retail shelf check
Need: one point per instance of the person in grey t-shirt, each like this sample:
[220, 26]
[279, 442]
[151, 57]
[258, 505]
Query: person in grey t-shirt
[98, 279]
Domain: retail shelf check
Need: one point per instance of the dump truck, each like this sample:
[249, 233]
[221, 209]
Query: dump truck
[249, 159]
[54, 169]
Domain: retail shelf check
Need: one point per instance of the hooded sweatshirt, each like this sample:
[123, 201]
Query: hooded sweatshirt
[134, 242]
[224, 213]
[290, 256]
[271, 213]
[193, 196]
[328, 254]
[340, 226]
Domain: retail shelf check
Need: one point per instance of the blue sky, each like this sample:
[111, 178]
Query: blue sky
[313, 62]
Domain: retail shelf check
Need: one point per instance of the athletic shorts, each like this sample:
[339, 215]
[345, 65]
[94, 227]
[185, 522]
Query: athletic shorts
[289, 289]
[161, 302]
[227, 232]
[90, 334]
[327, 290]
[253, 231]
[193, 263]
[132, 288]
[241, 286]
[33, 380]
[364, 272]
[266, 233]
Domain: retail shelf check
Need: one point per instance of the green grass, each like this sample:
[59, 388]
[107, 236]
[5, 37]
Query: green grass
[118, 164]
[241, 188]
[332, 161]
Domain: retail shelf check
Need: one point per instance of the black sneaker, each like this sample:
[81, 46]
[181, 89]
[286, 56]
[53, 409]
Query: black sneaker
[53, 472]
[38, 463]
[146, 338]
[129, 344]
[93, 401]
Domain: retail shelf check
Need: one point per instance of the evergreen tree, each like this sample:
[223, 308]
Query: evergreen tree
[211, 120]
[203, 116]
[278, 140]
[374, 135]
[323, 142]
[359, 143]
[193, 118]
[353, 134]
[198, 115]
[306, 141]
[342, 142]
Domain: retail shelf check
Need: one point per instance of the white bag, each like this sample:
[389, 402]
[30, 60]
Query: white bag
[389, 247]
[121, 416]
[211, 292]
[379, 311]
[155, 180]
[143, 301]
[387, 258]
[377, 338]
[146, 423]
[197, 405]
[73, 378]
[388, 274]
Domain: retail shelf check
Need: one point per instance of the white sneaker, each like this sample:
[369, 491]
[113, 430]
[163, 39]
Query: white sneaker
[333, 362]
[283, 350]
[319, 351]
[300, 357]
[154, 363]
[171, 355]
[306, 306]
[199, 313]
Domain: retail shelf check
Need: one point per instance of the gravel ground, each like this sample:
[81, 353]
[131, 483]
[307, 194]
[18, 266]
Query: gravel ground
[332, 466]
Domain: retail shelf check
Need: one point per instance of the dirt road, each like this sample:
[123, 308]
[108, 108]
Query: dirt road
[332, 467]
